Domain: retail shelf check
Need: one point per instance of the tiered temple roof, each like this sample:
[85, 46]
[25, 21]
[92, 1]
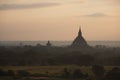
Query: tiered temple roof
[80, 41]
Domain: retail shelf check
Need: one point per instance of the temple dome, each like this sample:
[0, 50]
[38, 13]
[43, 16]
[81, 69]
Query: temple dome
[79, 41]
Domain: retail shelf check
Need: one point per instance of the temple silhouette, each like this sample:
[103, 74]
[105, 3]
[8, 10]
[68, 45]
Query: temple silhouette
[49, 44]
[79, 41]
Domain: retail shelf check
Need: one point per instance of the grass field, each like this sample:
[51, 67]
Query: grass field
[53, 69]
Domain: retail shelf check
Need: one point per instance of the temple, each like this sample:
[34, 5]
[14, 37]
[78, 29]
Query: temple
[79, 41]
[48, 44]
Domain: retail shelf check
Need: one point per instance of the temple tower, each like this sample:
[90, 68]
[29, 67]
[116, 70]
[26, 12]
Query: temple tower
[48, 44]
[79, 41]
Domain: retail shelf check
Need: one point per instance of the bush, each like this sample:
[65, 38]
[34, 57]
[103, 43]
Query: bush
[98, 71]
[2, 72]
[23, 73]
[66, 73]
[113, 74]
[10, 73]
[78, 74]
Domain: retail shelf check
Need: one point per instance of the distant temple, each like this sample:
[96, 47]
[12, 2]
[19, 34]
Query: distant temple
[48, 44]
[80, 41]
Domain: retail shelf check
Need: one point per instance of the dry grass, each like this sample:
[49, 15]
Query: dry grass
[52, 69]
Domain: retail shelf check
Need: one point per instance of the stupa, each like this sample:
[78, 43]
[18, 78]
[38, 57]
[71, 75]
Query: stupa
[79, 41]
[48, 44]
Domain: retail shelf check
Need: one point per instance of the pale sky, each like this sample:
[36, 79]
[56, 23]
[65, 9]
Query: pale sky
[59, 19]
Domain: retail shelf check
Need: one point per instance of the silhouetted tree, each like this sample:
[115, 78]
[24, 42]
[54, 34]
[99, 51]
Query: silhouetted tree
[42, 55]
[98, 71]
[66, 73]
[2, 72]
[10, 73]
[78, 74]
[113, 74]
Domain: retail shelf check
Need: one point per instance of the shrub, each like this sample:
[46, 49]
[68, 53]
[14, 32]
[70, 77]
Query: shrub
[23, 73]
[98, 71]
[10, 73]
[66, 73]
[2, 72]
[113, 74]
[78, 74]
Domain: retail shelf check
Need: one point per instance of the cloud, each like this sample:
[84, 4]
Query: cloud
[26, 6]
[96, 15]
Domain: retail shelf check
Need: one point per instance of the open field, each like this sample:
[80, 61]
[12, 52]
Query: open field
[53, 69]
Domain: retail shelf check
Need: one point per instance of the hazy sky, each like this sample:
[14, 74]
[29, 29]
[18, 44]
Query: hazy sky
[59, 19]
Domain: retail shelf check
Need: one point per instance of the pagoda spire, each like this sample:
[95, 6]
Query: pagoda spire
[79, 33]
[79, 41]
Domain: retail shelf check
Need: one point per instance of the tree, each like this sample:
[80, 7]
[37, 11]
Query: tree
[2, 72]
[66, 73]
[113, 74]
[10, 73]
[78, 74]
[98, 71]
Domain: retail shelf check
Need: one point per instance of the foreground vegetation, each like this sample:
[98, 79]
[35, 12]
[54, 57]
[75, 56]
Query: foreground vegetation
[46, 56]
[71, 72]
[47, 63]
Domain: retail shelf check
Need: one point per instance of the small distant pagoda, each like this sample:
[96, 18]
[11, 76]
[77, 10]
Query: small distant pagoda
[48, 44]
[79, 41]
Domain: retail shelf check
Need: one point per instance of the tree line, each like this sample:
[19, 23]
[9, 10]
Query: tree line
[31, 56]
